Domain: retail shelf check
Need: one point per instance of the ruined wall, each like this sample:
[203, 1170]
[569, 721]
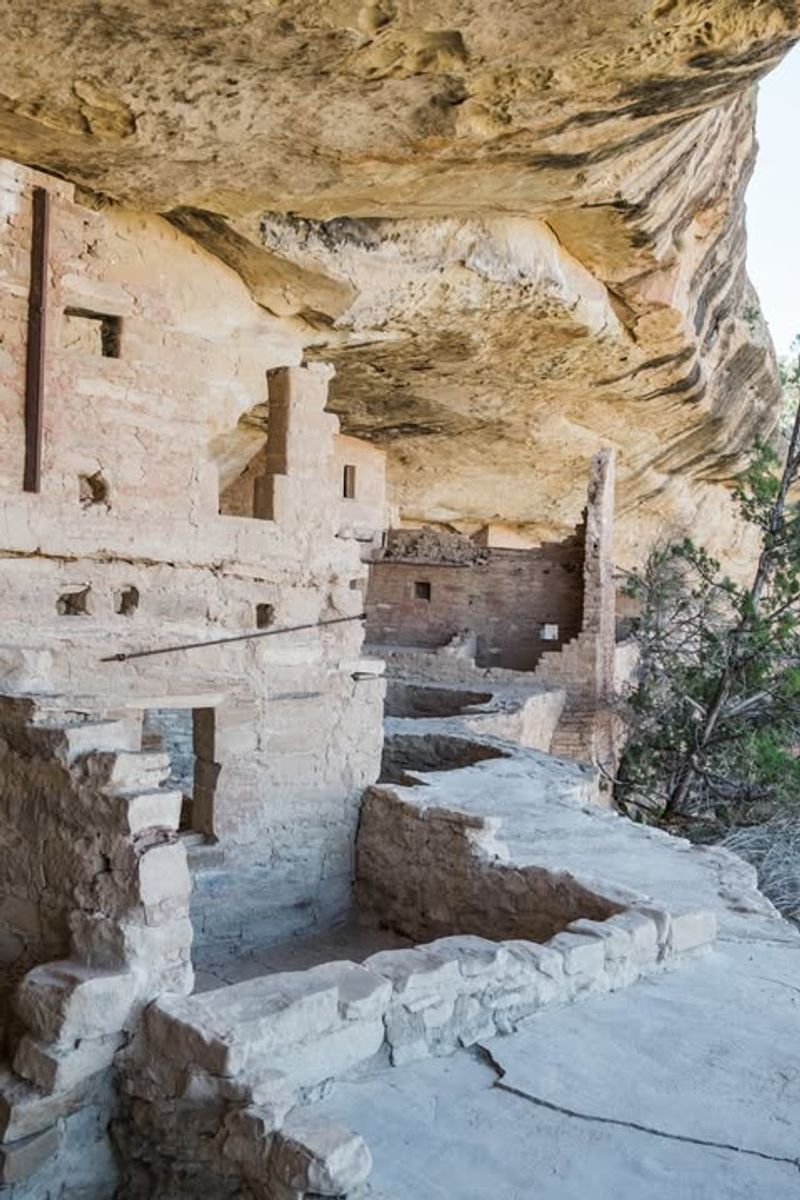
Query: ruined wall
[589, 730]
[426, 590]
[359, 471]
[401, 847]
[124, 548]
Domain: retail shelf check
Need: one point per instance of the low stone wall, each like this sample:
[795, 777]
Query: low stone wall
[526, 716]
[216, 1083]
[404, 884]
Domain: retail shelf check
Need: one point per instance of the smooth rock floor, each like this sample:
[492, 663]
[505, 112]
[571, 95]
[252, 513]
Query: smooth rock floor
[684, 1087]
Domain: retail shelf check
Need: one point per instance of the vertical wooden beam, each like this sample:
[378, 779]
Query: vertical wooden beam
[37, 339]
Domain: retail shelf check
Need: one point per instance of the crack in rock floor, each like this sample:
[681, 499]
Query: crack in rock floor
[682, 1087]
[485, 1055]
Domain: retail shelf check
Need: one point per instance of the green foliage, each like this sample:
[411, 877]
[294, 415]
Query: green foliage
[715, 718]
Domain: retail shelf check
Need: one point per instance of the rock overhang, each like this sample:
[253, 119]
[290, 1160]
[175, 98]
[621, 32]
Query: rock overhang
[518, 239]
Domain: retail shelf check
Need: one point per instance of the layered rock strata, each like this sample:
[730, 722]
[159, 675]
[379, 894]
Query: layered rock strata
[518, 237]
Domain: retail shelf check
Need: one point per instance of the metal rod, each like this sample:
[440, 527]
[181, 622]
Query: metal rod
[37, 338]
[239, 637]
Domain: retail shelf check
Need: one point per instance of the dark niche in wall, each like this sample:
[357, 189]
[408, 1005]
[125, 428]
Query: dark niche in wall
[126, 601]
[265, 615]
[74, 603]
[91, 332]
[349, 482]
[93, 490]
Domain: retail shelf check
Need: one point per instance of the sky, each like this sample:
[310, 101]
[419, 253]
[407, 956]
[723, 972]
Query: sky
[773, 203]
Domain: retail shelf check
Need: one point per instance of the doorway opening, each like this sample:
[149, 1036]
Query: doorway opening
[187, 736]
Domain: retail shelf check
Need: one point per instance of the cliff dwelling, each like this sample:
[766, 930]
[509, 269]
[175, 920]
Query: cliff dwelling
[338, 380]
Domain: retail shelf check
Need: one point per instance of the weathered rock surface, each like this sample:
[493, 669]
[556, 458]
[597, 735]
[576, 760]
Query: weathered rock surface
[679, 1087]
[518, 234]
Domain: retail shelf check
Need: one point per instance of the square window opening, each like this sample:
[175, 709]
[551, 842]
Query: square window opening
[549, 632]
[126, 601]
[74, 603]
[93, 491]
[422, 590]
[91, 332]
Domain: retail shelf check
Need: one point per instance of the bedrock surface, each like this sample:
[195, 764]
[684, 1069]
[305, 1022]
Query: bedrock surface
[517, 230]
[676, 1087]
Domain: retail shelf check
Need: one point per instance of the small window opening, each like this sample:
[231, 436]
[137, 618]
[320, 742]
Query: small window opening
[549, 633]
[74, 603]
[91, 332]
[265, 615]
[349, 482]
[422, 590]
[126, 601]
[93, 490]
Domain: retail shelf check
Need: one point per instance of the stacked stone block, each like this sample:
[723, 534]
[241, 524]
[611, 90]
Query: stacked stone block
[585, 667]
[225, 1079]
[96, 852]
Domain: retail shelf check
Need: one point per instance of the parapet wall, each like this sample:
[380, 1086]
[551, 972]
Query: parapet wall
[478, 893]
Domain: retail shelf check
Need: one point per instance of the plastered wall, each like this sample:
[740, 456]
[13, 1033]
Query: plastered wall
[125, 548]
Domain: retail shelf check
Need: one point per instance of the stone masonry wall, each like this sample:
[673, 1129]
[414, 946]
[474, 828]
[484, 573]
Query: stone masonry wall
[504, 596]
[589, 730]
[95, 925]
[125, 549]
[402, 885]
[220, 1088]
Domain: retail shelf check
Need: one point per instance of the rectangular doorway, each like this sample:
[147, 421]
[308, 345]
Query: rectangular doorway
[186, 735]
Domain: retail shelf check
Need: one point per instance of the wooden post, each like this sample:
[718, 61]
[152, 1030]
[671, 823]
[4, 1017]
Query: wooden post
[37, 339]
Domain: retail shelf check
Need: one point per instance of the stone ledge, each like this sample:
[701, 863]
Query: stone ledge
[21, 1159]
[66, 1002]
[24, 1110]
[273, 1045]
[54, 1070]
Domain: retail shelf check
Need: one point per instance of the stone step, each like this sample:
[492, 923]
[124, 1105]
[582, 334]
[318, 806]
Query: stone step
[104, 736]
[41, 709]
[317, 1156]
[162, 875]
[64, 1002]
[24, 1110]
[156, 809]
[135, 771]
[54, 1070]
[21, 1159]
[310, 1024]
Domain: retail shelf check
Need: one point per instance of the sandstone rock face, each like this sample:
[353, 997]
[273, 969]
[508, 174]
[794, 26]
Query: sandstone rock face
[518, 233]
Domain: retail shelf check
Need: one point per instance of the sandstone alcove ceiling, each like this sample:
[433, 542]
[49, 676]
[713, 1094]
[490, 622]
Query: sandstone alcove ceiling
[517, 233]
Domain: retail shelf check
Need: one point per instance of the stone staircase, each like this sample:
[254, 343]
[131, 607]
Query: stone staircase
[96, 845]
